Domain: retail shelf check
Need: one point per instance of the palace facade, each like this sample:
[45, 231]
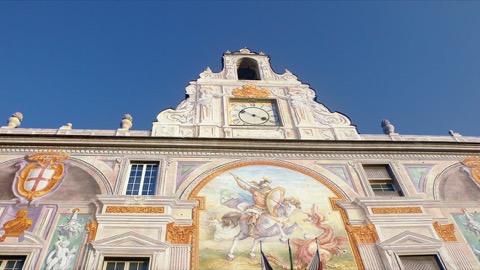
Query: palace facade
[248, 158]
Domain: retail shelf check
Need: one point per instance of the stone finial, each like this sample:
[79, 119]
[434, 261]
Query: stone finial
[245, 50]
[127, 122]
[15, 120]
[67, 126]
[388, 128]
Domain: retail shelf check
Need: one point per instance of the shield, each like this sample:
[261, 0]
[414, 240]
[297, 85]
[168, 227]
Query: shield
[41, 176]
[274, 200]
[38, 179]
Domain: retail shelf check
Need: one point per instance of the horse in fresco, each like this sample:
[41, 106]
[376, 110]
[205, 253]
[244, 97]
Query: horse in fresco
[266, 226]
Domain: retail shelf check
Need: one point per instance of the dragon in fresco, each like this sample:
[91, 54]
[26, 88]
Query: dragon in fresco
[328, 244]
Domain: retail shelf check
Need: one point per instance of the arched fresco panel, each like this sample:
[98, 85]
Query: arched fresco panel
[260, 203]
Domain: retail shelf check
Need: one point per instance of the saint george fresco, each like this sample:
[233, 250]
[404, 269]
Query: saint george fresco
[270, 204]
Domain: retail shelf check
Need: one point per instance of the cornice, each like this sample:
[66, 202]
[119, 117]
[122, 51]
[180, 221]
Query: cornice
[87, 145]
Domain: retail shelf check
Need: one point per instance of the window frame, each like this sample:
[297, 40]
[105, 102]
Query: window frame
[437, 256]
[394, 180]
[127, 260]
[6, 259]
[144, 163]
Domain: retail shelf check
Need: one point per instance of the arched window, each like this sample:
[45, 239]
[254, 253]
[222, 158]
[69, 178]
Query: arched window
[247, 69]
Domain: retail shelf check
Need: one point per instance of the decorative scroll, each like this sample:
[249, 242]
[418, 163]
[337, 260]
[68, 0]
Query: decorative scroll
[251, 91]
[91, 227]
[446, 232]
[363, 234]
[16, 227]
[42, 175]
[136, 209]
[179, 234]
[474, 164]
[397, 210]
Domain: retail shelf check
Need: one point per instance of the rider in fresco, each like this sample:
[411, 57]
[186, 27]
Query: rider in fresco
[259, 191]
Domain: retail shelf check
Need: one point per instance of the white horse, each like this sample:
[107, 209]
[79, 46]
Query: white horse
[266, 226]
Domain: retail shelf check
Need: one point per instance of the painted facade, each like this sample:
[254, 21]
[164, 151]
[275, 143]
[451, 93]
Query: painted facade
[248, 157]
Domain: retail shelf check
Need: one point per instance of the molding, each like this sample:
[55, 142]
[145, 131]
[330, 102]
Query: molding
[446, 232]
[363, 234]
[135, 209]
[179, 234]
[396, 210]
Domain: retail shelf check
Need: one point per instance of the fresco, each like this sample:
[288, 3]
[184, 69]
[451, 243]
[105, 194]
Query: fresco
[469, 224]
[66, 241]
[271, 204]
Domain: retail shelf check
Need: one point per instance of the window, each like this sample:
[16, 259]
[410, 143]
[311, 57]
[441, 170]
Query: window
[114, 263]
[12, 262]
[142, 179]
[382, 181]
[247, 69]
[421, 262]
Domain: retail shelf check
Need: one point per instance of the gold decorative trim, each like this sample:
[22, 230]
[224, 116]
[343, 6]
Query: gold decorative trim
[44, 167]
[446, 232]
[201, 206]
[17, 226]
[474, 164]
[397, 210]
[136, 209]
[363, 234]
[91, 227]
[179, 234]
[251, 91]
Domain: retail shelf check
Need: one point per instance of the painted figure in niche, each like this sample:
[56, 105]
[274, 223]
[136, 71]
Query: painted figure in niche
[328, 244]
[17, 226]
[72, 227]
[61, 256]
[469, 225]
[266, 217]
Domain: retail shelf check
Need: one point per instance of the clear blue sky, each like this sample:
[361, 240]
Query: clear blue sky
[88, 62]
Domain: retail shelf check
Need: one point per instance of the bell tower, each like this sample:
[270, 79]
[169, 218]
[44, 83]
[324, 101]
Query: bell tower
[247, 99]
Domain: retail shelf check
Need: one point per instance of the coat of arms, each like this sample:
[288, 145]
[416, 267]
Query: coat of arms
[41, 175]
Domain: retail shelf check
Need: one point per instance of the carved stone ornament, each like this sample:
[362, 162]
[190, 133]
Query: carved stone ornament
[474, 164]
[42, 175]
[251, 91]
[397, 210]
[16, 227]
[363, 234]
[179, 234]
[446, 232]
[91, 227]
[136, 209]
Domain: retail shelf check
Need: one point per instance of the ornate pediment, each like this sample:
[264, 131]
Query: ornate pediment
[410, 240]
[211, 109]
[130, 240]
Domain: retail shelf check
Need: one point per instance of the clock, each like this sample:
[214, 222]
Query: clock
[254, 112]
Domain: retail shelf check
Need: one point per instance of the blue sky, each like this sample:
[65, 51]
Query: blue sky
[90, 62]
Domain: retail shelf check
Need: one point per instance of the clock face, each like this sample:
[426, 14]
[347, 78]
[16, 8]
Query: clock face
[254, 112]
